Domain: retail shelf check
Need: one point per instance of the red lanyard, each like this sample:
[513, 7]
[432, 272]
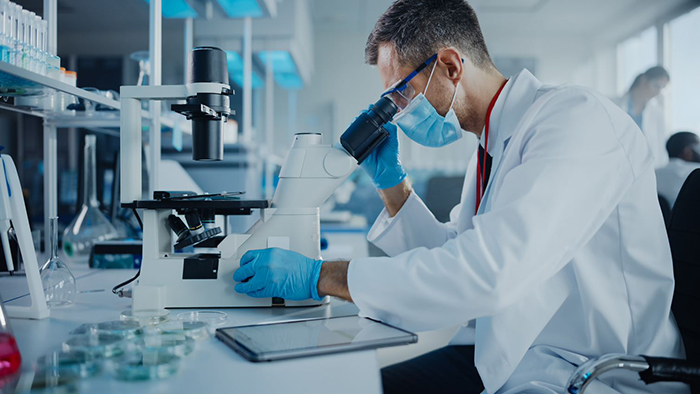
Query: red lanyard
[481, 167]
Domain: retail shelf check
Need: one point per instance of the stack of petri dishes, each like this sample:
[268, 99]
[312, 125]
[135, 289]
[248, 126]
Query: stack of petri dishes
[141, 345]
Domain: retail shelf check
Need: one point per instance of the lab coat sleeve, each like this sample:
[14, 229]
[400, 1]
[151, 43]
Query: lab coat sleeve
[573, 172]
[412, 227]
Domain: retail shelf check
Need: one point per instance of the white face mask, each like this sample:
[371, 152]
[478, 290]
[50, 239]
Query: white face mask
[424, 125]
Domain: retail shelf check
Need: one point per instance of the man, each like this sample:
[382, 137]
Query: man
[557, 252]
[684, 153]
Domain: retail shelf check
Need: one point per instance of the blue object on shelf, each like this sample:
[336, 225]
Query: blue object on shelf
[285, 69]
[242, 8]
[177, 9]
[235, 70]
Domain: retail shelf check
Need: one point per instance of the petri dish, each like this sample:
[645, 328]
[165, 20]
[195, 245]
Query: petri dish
[177, 344]
[96, 344]
[126, 329]
[146, 317]
[82, 329]
[213, 318]
[138, 365]
[196, 330]
[54, 382]
[73, 362]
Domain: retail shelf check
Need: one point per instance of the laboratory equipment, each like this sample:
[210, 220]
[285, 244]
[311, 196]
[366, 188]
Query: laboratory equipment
[69, 363]
[116, 254]
[90, 225]
[212, 318]
[96, 343]
[13, 212]
[56, 278]
[177, 344]
[23, 38]
[145, 317]
[123, 328]
[52, 381]
[310, 174]
[144, 66]
[196, 330]
[146, 364]
[10, 358]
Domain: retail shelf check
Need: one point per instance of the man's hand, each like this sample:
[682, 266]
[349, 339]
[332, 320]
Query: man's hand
[278, 273]
[383, 164]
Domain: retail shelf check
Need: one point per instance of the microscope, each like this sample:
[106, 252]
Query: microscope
[203, 277]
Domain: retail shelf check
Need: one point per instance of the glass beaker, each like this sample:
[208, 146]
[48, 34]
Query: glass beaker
[90, 225]
[57, 280]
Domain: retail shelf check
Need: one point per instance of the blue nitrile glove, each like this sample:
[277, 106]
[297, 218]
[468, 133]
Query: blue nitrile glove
[278, 273]
[383, 164]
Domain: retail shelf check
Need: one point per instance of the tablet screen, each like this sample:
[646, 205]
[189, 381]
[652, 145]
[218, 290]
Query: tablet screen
[315, 334]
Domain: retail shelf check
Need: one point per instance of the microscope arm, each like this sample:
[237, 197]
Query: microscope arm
[311, 173]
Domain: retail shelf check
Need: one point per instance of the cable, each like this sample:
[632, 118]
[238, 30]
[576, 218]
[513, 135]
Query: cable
[115, 289]
[138, 218]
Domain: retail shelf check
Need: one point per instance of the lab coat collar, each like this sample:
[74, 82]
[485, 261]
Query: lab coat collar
[515, 99]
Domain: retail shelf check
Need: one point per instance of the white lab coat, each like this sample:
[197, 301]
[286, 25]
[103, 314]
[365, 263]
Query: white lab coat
[653, 127]
[671, 178]
[567, 259]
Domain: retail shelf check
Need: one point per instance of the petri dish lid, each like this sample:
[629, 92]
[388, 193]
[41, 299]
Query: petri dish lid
[146, 317]
[96, 344]
[127, 329]
[196, 330]
[178, 344]
[213, 318]
[145, 365]
[68, 363]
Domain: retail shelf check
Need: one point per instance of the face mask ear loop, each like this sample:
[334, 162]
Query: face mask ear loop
[454, 97]
[430, 77]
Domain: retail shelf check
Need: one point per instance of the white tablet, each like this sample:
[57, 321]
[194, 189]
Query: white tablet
[303, 338]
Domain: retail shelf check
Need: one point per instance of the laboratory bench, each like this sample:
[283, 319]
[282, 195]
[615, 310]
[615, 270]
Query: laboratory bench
[212, 367]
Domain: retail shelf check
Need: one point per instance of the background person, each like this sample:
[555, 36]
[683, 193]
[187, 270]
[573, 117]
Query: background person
[642, 105]
[684, 153]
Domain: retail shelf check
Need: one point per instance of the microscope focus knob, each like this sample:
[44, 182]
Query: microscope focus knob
[337, 163]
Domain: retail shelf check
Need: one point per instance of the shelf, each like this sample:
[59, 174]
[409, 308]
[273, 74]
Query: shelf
[25, 85]
[19, 79]
[110, 119]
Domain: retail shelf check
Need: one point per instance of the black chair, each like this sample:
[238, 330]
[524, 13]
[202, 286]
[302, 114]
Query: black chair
[665, 210]
[684, 237]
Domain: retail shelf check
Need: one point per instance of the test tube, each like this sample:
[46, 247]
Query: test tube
[36, 51]
[15, 14]
[23, 49]
[43, 52]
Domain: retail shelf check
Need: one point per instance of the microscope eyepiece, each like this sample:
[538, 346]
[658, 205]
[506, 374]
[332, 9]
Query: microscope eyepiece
[366, 133]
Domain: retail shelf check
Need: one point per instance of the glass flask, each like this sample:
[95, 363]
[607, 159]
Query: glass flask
[10, 359]
[56, 278]
[90, 225]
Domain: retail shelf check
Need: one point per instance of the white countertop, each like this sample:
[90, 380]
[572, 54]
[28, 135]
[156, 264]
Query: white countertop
[212, 367]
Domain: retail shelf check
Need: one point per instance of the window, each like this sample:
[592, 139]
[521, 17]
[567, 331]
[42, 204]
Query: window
[634, 56]
[684, 68]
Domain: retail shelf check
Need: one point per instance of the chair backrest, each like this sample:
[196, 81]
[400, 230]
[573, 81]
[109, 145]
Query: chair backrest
[442, 194]
[684, 237]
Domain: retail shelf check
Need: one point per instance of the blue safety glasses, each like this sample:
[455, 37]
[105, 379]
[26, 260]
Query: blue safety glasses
[401, 93]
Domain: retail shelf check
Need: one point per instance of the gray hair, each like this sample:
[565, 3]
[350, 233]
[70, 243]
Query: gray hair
[420, 28]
